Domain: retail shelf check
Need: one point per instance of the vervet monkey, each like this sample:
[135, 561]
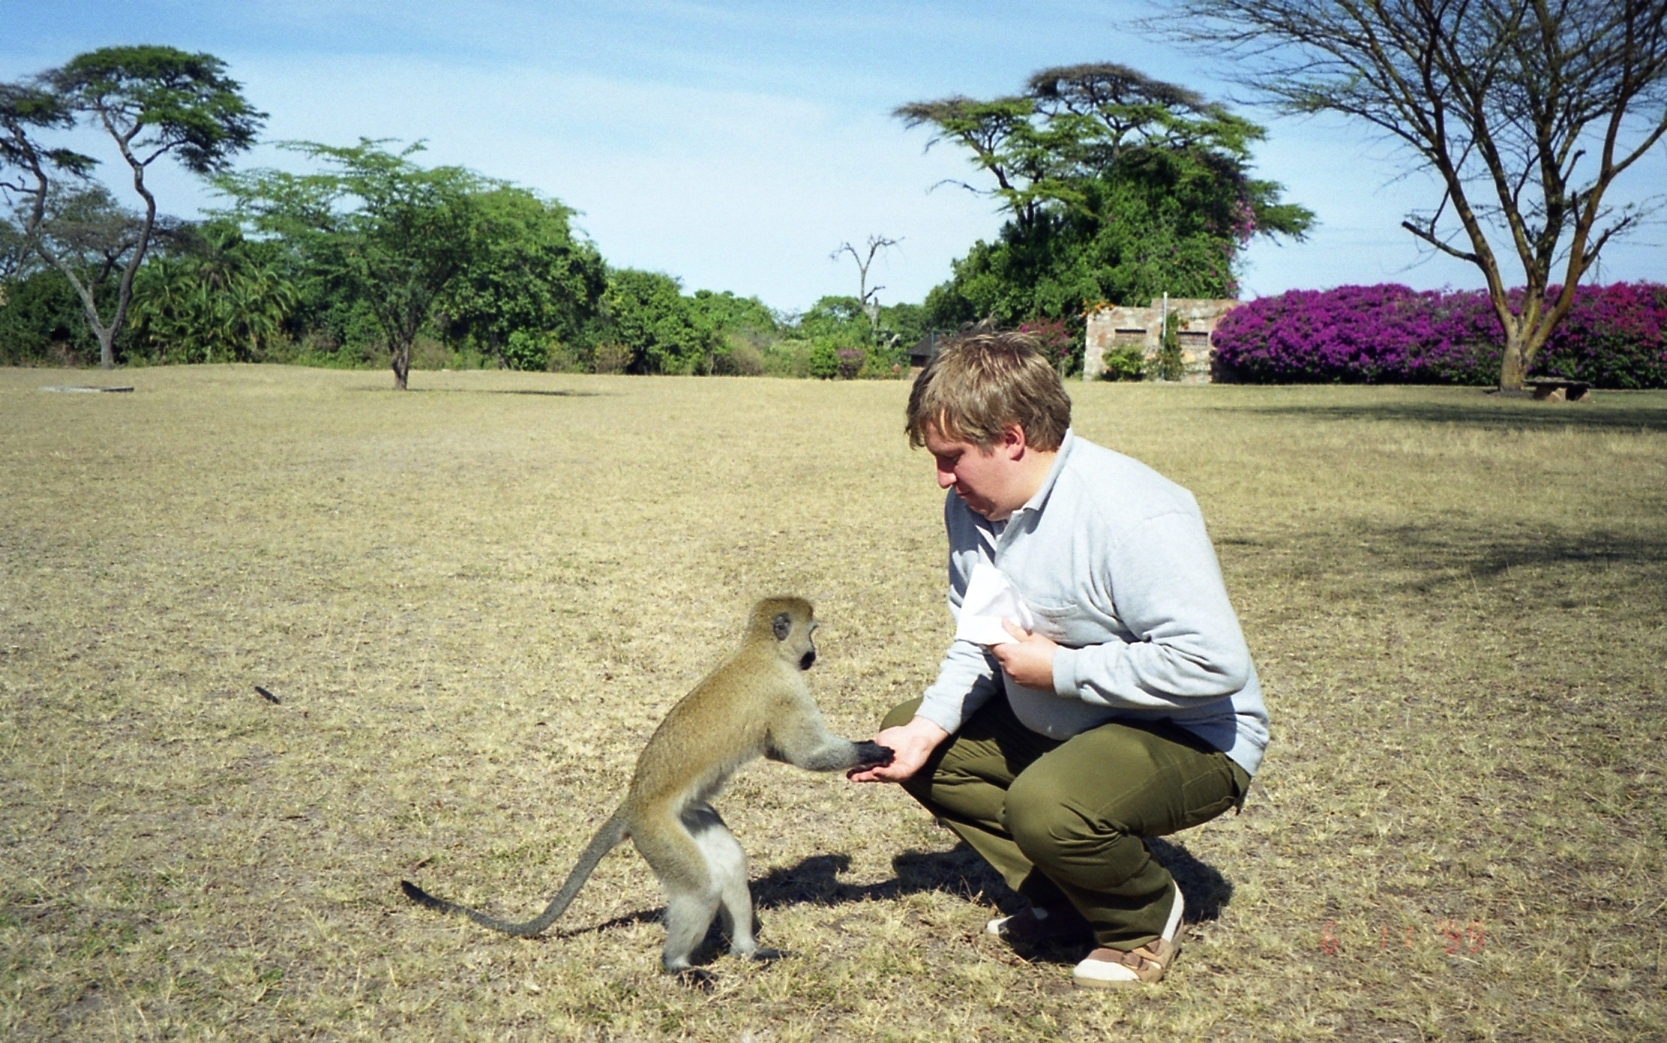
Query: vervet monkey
[756, 703]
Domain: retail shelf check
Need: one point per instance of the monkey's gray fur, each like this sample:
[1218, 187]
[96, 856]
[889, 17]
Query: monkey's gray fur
[756, 703]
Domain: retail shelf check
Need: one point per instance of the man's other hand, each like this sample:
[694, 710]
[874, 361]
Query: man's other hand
[1027, 659]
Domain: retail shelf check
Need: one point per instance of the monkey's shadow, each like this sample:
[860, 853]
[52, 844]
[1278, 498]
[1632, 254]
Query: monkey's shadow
[958, 871]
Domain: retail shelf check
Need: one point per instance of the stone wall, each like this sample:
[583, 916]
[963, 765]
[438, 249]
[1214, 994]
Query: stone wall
[1110, 327]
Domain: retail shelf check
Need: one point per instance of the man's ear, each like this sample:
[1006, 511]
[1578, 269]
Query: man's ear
[1013, 443]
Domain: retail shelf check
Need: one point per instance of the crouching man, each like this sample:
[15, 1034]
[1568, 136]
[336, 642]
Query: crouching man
[1099, 690]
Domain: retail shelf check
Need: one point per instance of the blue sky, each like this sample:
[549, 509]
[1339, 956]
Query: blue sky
[735, 145]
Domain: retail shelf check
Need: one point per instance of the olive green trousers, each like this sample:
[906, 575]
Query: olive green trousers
[1063, 821]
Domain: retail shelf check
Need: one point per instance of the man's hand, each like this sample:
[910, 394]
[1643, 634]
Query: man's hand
[1028, 658]
[911, 745]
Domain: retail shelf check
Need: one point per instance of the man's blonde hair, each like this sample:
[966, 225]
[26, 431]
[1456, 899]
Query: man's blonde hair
[979, 383]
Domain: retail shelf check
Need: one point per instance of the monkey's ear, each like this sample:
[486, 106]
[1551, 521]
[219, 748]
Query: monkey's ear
[782, 625]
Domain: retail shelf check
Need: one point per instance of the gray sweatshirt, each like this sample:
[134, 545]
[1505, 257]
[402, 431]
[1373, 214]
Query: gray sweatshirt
[1113, 559]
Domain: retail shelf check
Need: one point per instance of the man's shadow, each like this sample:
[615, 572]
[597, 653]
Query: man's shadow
[959, 872]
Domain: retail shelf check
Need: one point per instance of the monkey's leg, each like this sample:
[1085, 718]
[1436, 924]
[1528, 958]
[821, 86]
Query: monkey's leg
[692, 893]
[728, 863]
[688, 917]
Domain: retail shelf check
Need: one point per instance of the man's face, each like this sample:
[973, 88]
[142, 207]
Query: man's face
[983, 478]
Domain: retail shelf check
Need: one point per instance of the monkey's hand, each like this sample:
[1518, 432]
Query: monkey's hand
[873, 755]
[913, 743]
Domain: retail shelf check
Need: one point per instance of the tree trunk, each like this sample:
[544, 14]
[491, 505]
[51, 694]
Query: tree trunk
[106, 347]
[1513, 367]
[402, 364]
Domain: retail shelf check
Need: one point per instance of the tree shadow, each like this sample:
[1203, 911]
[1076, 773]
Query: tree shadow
[1428, 556]
[549, 393]
[1487, 413]
[1491, 556]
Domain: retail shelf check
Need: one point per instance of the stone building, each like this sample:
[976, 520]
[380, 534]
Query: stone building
[1112, 327]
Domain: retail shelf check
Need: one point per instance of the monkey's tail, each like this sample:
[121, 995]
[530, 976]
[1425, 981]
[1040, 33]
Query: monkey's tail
[605, 840]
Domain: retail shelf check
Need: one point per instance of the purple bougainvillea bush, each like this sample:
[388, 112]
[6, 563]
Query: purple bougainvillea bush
[1391, 334]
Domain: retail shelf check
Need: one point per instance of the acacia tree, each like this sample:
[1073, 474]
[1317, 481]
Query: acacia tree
[1526, 110]
[151, 102]
[397, 233]
[1116, 186]
[1071, 124]
[28, 168]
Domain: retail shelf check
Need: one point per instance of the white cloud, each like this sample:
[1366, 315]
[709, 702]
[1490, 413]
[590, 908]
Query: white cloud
[727, 189]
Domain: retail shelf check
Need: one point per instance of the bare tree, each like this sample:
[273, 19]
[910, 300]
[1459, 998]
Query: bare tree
[1527, 110]
[867, 295]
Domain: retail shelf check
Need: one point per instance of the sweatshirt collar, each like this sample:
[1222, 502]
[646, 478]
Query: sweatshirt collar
[1040, 500]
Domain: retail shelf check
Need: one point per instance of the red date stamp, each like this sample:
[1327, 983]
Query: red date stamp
[1454, 936]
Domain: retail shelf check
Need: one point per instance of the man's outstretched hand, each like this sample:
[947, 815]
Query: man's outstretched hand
[911, 744]
[1027, 659]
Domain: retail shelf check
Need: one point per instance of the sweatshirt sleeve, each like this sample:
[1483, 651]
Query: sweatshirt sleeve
[966, 680]
[1167, 590]
[967, 676]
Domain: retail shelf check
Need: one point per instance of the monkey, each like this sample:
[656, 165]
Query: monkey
[755, 703]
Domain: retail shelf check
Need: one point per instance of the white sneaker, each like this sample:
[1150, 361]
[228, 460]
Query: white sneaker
[1146, 965]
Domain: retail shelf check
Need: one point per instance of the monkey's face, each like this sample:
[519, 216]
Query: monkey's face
[805, 649]
[793, 632]
[809, 656]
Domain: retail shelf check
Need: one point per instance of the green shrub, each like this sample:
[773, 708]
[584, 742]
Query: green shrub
[787, 358]
[1127, 362]
[742, 356]
[824, 360]
[528, 349]
[610, 357]
[41, 323]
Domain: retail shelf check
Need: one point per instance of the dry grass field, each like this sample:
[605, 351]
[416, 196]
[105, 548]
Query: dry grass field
[474, 600]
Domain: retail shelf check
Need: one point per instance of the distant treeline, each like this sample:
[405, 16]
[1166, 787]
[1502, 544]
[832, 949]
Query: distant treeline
[511, 284]
[1114, 186]
[211, 295]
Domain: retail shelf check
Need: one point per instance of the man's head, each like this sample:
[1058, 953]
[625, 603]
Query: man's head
[993, 414]
[980, 384]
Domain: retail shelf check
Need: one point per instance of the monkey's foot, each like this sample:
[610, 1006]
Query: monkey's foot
[695, 978]
[765, 955]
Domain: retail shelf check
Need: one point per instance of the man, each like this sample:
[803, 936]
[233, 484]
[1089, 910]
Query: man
[1130, 710]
